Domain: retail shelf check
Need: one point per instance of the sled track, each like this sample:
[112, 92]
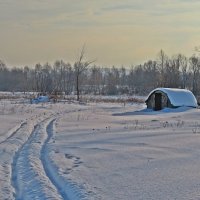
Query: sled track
[29, 177]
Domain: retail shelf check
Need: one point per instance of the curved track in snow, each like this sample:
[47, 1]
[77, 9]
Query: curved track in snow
[47, 165]
[29, 176]
[26, 170]
[15, 138]
[66, 189]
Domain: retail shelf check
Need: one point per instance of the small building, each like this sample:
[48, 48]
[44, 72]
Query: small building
[170, 98]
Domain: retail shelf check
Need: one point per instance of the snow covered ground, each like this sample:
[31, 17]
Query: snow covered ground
[98, 151]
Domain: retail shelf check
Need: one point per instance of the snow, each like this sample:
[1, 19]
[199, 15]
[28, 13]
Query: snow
[98, 151]
[178, 97]
[40, 99]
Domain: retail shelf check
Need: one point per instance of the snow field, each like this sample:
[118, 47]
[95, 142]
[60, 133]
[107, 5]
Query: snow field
[25, 169]
[98, 151]
[125, 154]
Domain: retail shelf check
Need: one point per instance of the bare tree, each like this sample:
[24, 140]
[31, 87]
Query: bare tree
[79, 67]
[162, 61]
[3, 76]
[95, 79]
[57, 76]
[67, 78]
[151, 75]
[195, 69]
[37, 77]
[172, 73]
[46, 78]
[26, 83]
[183, 62]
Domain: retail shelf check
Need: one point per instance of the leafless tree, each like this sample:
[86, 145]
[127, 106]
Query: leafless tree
[26, 81]
[195, 69]
[95, 80]
[177, 71]
[162, 61]
[183, 61]
[79, 67]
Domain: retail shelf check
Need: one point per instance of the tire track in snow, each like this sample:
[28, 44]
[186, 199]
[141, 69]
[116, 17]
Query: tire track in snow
[7, 150]
[65, 188]
[28, 175]
[33, 175]
[50, 172]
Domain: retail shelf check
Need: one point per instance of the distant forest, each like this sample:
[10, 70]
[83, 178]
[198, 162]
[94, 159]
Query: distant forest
[87, 78]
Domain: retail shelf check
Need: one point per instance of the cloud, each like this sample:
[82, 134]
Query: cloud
[115, 31]
[76, 13]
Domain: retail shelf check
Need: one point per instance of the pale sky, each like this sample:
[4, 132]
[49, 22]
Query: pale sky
[115, 32]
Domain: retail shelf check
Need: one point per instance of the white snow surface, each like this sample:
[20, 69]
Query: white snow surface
[178, 97]
[98, 151]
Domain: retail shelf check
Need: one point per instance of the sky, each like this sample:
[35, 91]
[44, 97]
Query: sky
[114, 32]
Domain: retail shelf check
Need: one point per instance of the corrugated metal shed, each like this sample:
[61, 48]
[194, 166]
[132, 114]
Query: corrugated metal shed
[160, 98]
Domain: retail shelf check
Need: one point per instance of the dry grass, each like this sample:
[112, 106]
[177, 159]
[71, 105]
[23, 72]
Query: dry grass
[106, 99]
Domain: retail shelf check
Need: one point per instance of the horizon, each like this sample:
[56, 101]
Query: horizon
[115, 33]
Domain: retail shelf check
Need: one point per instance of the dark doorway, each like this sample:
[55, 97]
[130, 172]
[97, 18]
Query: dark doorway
[158, 101]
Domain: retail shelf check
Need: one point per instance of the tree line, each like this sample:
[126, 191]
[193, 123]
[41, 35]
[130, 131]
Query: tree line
[84, 77]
